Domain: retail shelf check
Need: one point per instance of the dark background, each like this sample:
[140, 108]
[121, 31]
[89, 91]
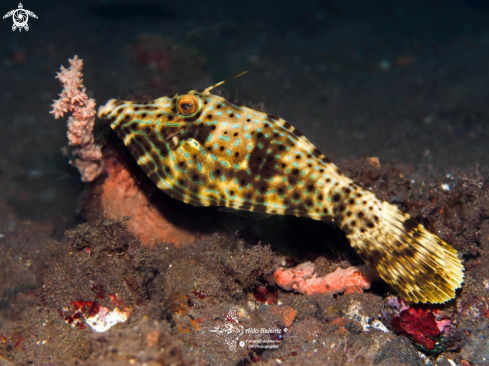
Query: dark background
[406, 81]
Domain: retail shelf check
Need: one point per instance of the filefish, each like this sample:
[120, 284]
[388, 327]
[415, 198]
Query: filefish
[206, 151]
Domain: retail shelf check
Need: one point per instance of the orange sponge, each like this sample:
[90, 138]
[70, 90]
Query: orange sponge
[303, 279]
[120, 196]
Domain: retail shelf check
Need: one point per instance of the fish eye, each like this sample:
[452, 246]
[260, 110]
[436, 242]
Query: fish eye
[188, 105]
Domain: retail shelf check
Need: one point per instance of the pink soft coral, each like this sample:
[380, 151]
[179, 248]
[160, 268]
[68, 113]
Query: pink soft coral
[74, 99]
[303, 279]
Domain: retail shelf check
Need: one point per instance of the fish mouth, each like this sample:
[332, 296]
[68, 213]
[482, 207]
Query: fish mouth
[104, 111]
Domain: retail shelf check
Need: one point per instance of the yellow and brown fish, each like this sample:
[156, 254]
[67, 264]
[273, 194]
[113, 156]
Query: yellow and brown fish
[203, 150]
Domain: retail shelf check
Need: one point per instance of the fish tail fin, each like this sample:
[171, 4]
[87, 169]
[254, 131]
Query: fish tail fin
[414, 262]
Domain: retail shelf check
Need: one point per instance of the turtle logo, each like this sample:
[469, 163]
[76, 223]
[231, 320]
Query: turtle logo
[20, 17]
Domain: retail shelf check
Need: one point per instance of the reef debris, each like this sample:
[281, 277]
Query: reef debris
[421, 325]
[99, 318]
[145, 343]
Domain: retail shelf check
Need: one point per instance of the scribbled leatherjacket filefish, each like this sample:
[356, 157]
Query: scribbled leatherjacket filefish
[201, 149]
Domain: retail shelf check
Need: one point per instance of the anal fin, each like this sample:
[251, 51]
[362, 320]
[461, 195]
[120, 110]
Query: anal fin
[252, 215]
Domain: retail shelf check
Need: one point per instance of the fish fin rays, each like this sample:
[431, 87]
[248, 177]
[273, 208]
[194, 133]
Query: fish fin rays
[306, 125]
[331, 224]
[418, 265]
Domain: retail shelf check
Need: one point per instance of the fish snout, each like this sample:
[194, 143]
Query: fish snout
[107, 111]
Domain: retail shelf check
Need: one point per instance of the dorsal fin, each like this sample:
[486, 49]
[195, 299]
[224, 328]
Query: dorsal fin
[333, 152]
[224, 81]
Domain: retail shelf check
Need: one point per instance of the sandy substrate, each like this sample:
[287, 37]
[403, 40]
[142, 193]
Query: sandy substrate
[181, 299]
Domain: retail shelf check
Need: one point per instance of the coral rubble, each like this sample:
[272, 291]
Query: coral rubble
[146, 343]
